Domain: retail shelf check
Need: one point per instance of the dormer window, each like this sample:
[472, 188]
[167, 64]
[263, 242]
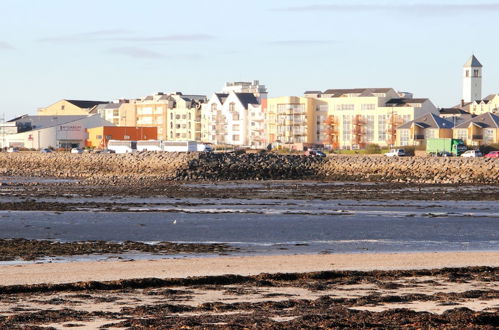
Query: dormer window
[476, 73]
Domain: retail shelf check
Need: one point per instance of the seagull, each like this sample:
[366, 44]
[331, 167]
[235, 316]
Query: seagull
[174, 222]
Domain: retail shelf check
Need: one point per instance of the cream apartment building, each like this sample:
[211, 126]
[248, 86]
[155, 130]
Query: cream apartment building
[358, 117]
[120, 113]
[296, 120]
[177, 117]
[183, 121]
[343, 118]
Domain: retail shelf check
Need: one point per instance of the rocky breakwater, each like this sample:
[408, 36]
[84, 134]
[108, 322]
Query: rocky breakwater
[95, 168]
[428, 170]
[250, 166]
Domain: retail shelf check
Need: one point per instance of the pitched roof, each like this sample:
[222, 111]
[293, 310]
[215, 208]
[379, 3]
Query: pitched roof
[429, 120]
[85, 104]
[453, 111]
[473, 63]
[247, 98]
[404, 101]
[365, 91]
[484, 120]
[221, 97]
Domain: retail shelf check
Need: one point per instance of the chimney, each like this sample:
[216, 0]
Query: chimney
[462, 103]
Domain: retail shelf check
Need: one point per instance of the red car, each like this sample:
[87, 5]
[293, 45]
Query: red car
[492, 154]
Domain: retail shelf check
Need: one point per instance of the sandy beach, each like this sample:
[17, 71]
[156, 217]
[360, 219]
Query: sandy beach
[446, 289]
[56, 273]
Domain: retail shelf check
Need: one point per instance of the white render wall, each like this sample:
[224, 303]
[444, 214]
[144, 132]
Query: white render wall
[472, 86]
[74, 132]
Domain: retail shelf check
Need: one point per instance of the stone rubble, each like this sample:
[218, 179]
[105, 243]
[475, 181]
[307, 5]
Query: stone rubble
[141, 167]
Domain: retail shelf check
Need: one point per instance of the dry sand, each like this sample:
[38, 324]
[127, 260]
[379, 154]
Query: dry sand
[57, 273]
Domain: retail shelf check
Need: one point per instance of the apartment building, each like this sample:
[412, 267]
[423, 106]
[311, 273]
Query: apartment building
[236, 115]
[478, 107]
[226, 118]
[152, 111]
[417, 131]
[183, 122]
[362, 116]
[120, 113]
[296, 120]
[479, 130]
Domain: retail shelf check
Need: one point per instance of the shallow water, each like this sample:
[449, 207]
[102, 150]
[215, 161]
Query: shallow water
[262, 227]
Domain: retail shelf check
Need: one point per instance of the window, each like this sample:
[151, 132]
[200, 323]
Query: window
[235, 127]
[347, 129]
[345, 107]
[467, 73]
[116, 113]
[488, 135]
[382, 128]
[476, 73]
[232, 107]
[235, 116]
[99, 137]
[368, 106]
[322, 108]
[213, 107]
[235, 138]
[369, 128]
[462, 134]
[404, 137]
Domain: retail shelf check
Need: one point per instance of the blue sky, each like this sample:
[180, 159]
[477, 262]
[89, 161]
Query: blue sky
[110, 49]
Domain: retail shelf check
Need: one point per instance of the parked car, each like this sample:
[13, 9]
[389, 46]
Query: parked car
[444, 154]
[492, 154]
[45, 150]
[472, 153]
[13, 149]
[395, 153]
[106, 151]
[76, 151]
[316, 153]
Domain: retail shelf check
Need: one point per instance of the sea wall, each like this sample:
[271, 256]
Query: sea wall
[133, 168]
[95, 168]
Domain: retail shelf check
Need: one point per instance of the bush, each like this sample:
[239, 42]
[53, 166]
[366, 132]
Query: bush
[373, 149]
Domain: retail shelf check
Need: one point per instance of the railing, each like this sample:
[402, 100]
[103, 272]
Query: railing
[418, 137]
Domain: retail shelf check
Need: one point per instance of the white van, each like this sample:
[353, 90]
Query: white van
[150, 145]
[122, 146]
[180, 146]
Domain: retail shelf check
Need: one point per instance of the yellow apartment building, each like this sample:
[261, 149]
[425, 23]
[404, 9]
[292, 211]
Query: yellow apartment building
[152, 111]
[295, 120]
[121, 113]
[417, 131]
[69, 108]
[479, 130]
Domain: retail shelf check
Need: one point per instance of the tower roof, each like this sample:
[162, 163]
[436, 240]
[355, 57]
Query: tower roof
[473, 63]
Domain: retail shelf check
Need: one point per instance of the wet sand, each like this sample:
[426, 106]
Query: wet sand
[451, 298]
[57, 273]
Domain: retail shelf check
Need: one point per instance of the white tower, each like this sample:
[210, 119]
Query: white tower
[472, 80]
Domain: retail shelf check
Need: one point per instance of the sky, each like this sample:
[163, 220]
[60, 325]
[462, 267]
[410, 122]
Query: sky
[110, 49]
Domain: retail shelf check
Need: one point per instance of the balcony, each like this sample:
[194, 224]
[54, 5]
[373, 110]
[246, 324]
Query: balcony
[477, 137]
[419, 137]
